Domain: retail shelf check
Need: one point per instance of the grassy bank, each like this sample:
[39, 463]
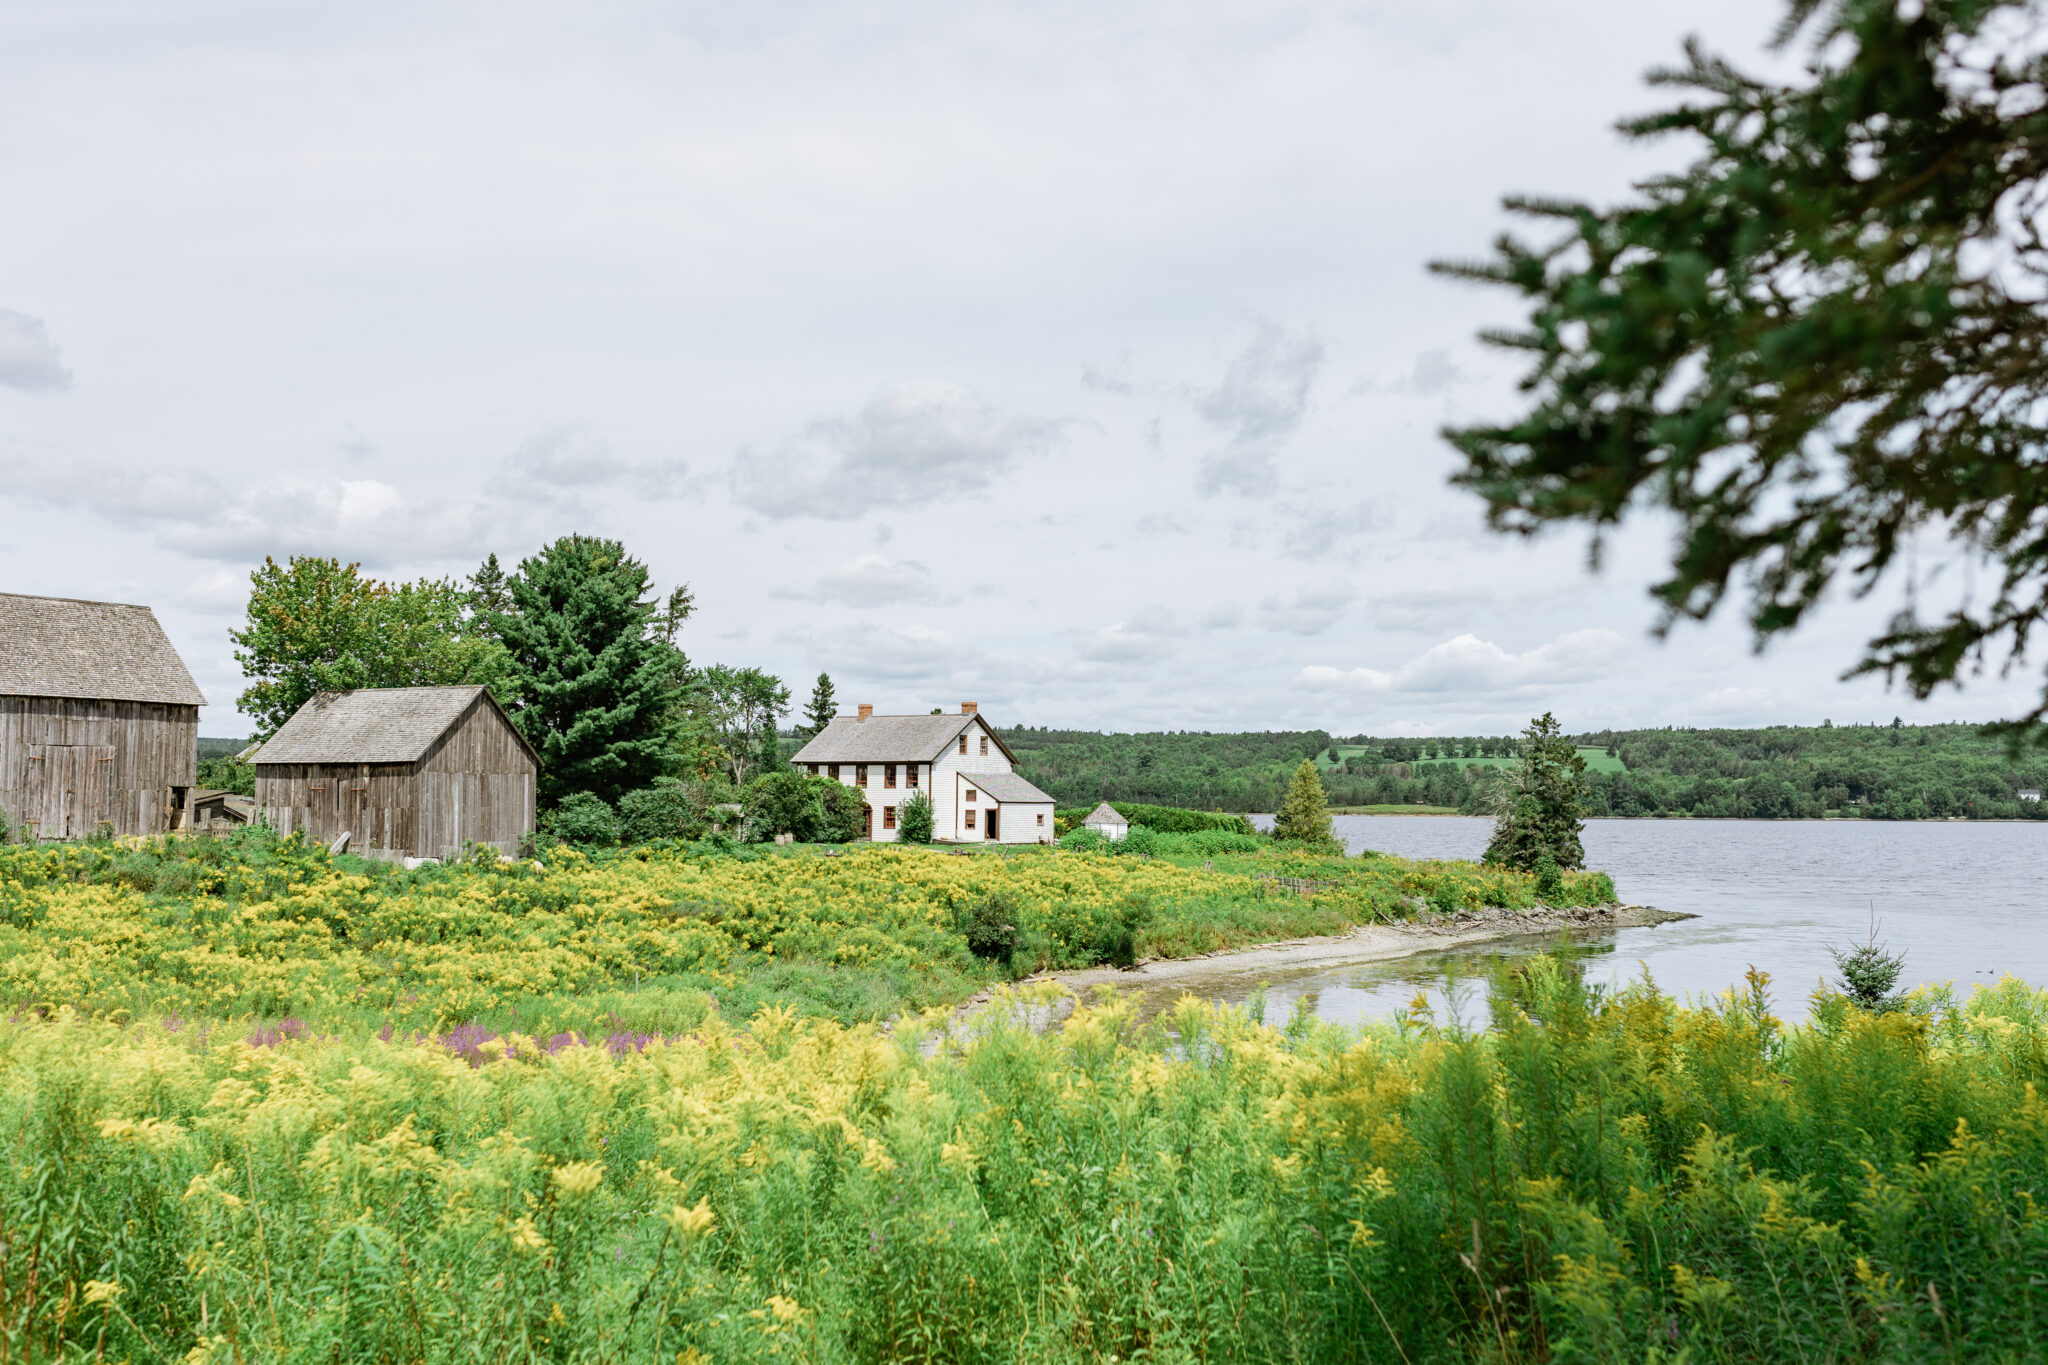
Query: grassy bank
[1627, 1180]
[649, 940]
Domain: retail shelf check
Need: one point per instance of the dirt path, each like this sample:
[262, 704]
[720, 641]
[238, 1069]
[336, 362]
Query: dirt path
[1367, 943]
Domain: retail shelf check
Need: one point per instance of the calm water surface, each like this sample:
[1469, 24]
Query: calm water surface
[1962, 901]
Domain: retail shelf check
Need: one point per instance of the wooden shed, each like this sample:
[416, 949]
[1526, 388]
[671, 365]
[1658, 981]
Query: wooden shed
[403, 771]
[99, 719]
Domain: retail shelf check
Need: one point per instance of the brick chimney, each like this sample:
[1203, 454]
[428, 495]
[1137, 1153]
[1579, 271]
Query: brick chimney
[968, 708]
[866, 710]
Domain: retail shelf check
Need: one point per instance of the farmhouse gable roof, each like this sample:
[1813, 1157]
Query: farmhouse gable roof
[374, 725]
[101, 651]
[891, 739]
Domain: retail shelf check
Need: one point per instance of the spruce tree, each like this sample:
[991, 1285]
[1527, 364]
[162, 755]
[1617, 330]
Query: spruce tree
[597, 676]
[1305, 814]
[1543, 802]
[818, 714]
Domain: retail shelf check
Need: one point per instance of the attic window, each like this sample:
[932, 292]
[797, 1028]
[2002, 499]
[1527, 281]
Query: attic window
[984, 746]
[971, 793]
[963, 744]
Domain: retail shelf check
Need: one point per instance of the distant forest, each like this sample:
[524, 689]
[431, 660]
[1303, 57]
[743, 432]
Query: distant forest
[1894, 772]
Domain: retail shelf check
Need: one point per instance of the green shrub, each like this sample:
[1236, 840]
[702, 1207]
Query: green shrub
[990, 926]
[666, 810]
[914, 820]
[816, 810]
[583, 820]
[1174, 819]
[1549, 878]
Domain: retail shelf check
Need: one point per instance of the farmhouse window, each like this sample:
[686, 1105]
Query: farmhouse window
[832, 771]
[814, 770]
[970, 816]
[984, 746]
[860, 774]
[963, 744]
[971, 793]
[1041, 817]
[888, 774]
[910, 774]
[888, 817]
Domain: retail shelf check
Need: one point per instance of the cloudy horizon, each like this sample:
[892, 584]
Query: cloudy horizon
[1082, 363]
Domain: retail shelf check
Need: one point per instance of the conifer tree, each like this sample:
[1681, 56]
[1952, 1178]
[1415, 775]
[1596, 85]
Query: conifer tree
[597, 675]
[1543, 802]
[1305, 814]
[1819, 346]
[822, 707]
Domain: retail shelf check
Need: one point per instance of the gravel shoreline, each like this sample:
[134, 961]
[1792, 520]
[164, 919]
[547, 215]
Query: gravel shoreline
[1367, 943]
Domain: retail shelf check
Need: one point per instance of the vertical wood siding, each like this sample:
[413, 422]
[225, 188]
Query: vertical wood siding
[69, 764]
[476, 785]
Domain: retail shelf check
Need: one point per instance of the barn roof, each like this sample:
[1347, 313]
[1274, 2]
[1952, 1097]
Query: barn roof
[1104, 814]
[102, 651]
[371, 725]
[1006, 787]
[889, 739]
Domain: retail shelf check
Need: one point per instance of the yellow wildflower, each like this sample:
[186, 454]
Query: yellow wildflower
[526, 1237]
[102, 1291]
[578, 1178]
[692, 1221]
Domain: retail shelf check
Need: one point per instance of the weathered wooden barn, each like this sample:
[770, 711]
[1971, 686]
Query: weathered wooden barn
[99, 719]
[403, 771]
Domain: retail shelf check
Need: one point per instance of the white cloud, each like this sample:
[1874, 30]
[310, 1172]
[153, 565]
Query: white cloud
[1317, 528]
[1225, 615]
[873, 580]
[911, 445]
[571, 460]
[1124, 644]
[1259, 404]
[1468, 665]
[28, 358]
[1312, 610]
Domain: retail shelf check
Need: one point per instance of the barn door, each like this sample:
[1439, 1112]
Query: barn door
[69, 786]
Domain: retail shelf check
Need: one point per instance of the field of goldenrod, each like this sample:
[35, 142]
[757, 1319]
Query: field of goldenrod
[267, 929]
[1600, 1178]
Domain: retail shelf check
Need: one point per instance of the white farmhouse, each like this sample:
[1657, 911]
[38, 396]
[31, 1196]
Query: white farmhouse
[959, 761]
[1105, 821]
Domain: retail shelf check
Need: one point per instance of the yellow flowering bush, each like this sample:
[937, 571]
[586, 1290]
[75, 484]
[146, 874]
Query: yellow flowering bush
[261, 927]
[1613, 1177]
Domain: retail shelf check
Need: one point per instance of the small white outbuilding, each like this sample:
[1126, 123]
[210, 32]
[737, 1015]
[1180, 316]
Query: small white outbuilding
[1105, 821]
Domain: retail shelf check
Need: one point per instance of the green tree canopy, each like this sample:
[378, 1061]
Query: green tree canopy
[1822, 336]
[743, 706]
[1543, 802]
[318, 625]
[597, 668]
[1305, 814]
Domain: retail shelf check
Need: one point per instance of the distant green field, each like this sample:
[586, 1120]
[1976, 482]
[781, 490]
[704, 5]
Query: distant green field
[1596, 759]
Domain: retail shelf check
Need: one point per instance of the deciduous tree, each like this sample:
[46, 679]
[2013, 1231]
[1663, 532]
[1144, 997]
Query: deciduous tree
[318, 625]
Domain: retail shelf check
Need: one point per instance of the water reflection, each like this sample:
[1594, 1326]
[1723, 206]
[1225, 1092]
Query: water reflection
[1963, 901]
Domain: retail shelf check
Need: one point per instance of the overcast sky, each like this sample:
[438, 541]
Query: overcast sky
[1077, 359]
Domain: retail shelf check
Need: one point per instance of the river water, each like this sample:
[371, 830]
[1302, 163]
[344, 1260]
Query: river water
[1963, 901]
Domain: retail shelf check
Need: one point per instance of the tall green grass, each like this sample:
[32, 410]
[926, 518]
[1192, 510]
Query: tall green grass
[1598, 1178]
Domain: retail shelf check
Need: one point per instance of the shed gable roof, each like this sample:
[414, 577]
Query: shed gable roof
[373, 725]
[1104, 814]
[1007, 787]
[891, 739]
[110, 651]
